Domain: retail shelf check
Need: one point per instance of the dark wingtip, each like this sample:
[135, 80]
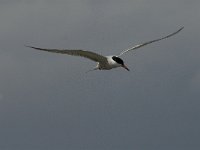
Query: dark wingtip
[33, 47]
[28, 46]
[182, 28]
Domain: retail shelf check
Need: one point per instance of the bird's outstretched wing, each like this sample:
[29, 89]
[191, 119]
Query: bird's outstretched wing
[82, 53]
[149, 42]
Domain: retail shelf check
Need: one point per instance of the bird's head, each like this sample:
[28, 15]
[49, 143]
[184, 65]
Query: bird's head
[120, 61]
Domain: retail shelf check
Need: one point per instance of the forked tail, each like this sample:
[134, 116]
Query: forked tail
[92, 70]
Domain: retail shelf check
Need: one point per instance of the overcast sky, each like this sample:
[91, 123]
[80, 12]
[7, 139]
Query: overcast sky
[48, 102]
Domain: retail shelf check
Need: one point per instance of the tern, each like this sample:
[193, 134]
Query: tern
[103, 62]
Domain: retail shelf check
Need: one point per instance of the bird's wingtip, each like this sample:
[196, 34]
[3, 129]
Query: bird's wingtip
[181, 28]
[31, 47]
[28, 46]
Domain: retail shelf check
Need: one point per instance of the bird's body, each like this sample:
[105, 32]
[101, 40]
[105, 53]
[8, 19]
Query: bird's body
[110, 63]
[103, 62]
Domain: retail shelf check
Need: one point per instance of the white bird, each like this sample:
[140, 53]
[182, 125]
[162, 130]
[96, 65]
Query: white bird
[103, 62]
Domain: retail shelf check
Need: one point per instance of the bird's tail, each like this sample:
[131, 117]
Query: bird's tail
[92, 70]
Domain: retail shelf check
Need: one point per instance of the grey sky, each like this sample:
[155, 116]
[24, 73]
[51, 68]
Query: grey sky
[47, 101]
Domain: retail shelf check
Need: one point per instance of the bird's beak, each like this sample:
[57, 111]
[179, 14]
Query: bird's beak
[125, 67]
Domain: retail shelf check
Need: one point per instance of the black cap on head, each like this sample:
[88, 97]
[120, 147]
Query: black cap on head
[118, 60]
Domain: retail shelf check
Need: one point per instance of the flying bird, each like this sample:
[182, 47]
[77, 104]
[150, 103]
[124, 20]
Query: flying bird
[103, 62]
